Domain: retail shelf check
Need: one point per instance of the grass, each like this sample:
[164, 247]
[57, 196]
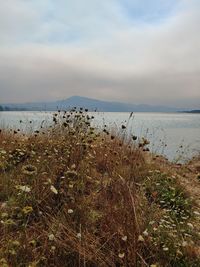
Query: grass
[72, 195]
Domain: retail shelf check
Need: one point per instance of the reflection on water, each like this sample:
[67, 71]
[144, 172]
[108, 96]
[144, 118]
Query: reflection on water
[171, 134]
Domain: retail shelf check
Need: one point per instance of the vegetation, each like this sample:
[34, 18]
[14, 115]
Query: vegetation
[73, 195]
[193, 111]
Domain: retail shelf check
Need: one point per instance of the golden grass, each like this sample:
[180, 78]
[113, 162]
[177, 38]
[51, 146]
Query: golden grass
[72, 195]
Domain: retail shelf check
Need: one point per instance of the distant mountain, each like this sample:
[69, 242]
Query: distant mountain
[90, 104]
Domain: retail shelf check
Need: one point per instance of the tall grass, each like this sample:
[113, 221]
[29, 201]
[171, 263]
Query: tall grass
[72, 195]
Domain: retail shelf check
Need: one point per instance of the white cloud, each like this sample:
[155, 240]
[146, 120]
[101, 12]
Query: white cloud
[65, 49]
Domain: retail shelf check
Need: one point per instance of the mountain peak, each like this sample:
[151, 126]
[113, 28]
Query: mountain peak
[91, 104]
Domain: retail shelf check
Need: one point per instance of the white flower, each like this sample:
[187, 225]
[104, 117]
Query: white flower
[165, 249]
[121, 255]
[54, 190]
[73, 166]
[51, 237]
[53, 248]
[25, 188]
[145, 233]
[78, 235]
[124, 238]
[140, 238]
[70, 211]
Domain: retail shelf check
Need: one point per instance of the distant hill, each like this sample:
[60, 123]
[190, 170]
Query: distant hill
[90, 104]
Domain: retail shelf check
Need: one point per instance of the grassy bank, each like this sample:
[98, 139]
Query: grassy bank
[72, 195]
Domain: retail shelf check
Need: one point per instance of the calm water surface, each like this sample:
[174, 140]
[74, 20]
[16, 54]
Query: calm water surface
[175, 135]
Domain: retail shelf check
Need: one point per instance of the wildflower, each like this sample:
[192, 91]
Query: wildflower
[29, 169]
[27, 209]
[51, 237]
[73, 166]
[53, 248]
[124, 238]
[165, 249]
[70, 211]
[140, 238]
[71, 185]
[3, 152]
[9, 222]
[32, 242]
[78, 235]
[24, 188]
[145, 233]
[121, 255]
[54, 190]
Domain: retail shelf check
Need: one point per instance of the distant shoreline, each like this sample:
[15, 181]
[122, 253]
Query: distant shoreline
[43, 110]
[192, 111]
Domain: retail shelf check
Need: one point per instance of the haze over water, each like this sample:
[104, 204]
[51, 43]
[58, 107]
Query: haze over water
[174, 135]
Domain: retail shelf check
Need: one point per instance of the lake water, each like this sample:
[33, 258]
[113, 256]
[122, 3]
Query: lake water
[174, 135]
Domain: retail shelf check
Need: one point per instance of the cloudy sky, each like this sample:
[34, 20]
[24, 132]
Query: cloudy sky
[139, 51]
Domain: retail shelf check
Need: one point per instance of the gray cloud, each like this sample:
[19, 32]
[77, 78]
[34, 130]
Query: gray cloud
[148, 63]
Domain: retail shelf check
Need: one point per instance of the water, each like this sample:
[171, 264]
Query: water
[174, 135]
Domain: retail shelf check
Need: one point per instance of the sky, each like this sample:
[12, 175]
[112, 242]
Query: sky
[136, 51]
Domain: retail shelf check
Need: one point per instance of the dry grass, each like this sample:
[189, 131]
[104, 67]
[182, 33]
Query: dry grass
[71, 195]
